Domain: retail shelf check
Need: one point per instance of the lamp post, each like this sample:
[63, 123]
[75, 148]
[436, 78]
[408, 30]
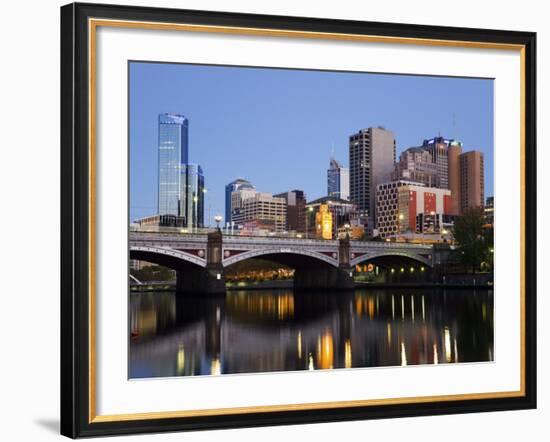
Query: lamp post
[308, 212]
[400, 218]
[218, 219]
[346, 228]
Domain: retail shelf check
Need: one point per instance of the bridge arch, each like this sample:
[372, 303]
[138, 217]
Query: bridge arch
[282, 253]
[171, 258]
[391, 254]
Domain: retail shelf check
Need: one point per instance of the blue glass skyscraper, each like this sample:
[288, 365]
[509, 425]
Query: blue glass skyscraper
[337, 180]
[180, 184]
[192, 195]
[173, 152]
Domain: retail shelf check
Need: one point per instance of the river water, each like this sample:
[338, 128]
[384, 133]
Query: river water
[279, 330]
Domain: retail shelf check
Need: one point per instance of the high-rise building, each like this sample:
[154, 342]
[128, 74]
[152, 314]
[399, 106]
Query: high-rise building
[237, 198]
[180, 184]
[371, 161]
[453, 153]
[233, 186]
[437, 147]
[192, 195]
[415, 164]
[172, 154]
[295, 210]
[337, 180]
[406, 206]
[262, 208]
[472, 180]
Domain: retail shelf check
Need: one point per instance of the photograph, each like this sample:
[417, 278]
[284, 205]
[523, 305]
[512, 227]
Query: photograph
[297, 219]
[272, 219]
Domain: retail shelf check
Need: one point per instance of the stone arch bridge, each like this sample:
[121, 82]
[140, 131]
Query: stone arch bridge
[200, 259]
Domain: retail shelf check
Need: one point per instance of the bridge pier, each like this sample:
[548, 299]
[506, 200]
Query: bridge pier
[209, 280]
[440, 257]
[328, 278]
[345, 270]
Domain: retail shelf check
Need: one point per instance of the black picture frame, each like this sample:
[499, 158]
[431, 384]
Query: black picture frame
[75, 221]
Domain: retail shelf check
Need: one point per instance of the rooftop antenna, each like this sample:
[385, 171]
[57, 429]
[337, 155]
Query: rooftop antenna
[332, 152]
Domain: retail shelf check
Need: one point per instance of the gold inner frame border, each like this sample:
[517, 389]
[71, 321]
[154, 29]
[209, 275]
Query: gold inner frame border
[93, 24]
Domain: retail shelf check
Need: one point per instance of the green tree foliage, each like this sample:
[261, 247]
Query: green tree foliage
[475, 242]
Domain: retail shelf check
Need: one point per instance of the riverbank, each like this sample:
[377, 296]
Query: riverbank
[289, 284]
[451, 285]
[261, 285]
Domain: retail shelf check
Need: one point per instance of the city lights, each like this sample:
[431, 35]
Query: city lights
[312, 264]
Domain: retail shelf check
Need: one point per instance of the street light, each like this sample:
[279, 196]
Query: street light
[346, 228]
[309, 209]
[218, 219]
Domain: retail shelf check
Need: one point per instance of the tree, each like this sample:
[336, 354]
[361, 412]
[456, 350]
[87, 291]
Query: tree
[474, 242]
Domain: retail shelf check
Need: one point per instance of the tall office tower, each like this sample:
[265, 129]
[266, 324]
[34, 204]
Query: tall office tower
[415, 164]
[453, 153]
[371, 161]
[233, 186]
[263, 209]
[472, 180]
[172, 154]
[438, 149]
[337, 180]
[192, 195]
[237, 198]
[295, 210]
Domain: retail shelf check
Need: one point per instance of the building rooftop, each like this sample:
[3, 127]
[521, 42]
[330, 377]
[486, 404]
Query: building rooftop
[329, 199]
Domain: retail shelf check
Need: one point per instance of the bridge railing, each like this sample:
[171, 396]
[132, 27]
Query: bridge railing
[178, 233]
[227, 233]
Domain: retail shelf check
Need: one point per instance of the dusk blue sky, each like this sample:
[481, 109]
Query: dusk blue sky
[277, 127]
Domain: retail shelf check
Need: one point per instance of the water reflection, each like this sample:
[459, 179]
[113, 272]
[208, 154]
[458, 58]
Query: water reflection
[262, 331]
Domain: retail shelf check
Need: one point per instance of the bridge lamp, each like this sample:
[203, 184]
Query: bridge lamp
[412, 269]
[421, 269]
[218, 219]
[402, 269]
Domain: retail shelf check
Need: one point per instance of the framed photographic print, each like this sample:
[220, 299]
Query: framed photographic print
[274, 220]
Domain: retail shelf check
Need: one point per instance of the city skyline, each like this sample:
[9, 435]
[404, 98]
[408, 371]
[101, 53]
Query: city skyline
[286, 141]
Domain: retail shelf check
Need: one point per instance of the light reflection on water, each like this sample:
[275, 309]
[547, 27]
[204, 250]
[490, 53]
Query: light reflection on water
[279, 330]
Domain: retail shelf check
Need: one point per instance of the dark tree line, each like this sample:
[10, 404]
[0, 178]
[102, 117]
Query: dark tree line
[474, 241]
